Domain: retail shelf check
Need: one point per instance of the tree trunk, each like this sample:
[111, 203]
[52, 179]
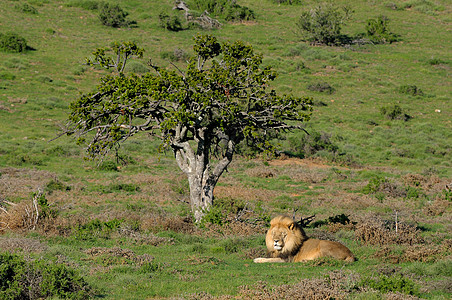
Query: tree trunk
[202, 178]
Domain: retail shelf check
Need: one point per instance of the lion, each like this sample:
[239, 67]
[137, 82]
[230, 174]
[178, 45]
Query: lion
[287, 242]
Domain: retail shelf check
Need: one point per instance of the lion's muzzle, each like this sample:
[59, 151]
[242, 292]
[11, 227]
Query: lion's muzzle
[277, 244]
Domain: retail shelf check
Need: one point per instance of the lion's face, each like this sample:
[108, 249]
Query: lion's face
[278, 236]
[284, 236]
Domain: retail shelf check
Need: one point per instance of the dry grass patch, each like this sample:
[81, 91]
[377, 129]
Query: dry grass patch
[21, 244]
[116, 255]
[246, 194]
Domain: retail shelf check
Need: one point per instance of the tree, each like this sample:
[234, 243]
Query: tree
[202, 114]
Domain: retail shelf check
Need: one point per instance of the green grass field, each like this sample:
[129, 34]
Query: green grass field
[126, 228]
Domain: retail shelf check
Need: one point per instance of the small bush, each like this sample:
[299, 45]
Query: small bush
[7, 76]
[171, 23]
[230, 10]
[55, 185]
[374, 185]
[214, 216]
[176, 55]
[387, 284]
[235, 12]
[21, 279]
[289, 2]
[394, 112]
[109, 166]
[436, 62]
[323, 24]
[11, 42]
[97, 228]
[26, 8]
[411, 90]
[136, 67]
[310, 144]
[378, 32]
[113, 15]
[321, 87]
[85, 4]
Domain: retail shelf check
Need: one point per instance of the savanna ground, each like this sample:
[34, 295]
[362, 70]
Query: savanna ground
[126, 228]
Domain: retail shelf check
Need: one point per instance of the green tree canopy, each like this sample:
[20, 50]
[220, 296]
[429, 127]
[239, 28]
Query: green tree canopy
[219, 101]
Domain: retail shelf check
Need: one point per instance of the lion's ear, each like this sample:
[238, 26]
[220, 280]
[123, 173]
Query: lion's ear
[292, 226]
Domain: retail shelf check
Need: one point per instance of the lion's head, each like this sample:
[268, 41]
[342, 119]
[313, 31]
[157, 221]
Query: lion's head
[284, 237]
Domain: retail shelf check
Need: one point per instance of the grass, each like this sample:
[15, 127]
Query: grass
[149, 194]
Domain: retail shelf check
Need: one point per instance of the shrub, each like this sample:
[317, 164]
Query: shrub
[21, 279]
[378, 32]
[323, 24]
[290, 2]
[7, 76]
[397, 283]
[176, 55]
[436, 62]
[85, 4]
[394, 112]
[97, 228]
[113, 15]
[310, 144]
[230, 10]
[411, 90]
[26, 8]
[136, 67]
[168, 22]
[109, 166]
[214, 216]
[11, 42]
[235, 12]
[321, 87]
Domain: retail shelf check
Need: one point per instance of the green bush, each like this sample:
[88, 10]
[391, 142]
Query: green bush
[21, 279]
[411, 90]
[374, 185]
[7, 76]
[214, 216]
[310, 144]
[11, 42]
[394, 112]
[396, 283]
[26, 8]
[290, 2]
[323, 24]
[321, 87]
[230, 10]
[109, 166]
[176, 55]
[85, 4]
[235, 12]
[96, 228]
[378, 32]
[113, 15]
[171, 23]
[436, 62]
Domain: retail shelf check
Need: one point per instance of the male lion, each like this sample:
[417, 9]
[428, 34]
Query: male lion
[287, 242]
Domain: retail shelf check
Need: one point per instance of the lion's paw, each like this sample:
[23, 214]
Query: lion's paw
[259, 260]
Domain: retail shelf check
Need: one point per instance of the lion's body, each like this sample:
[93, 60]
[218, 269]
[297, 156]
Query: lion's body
[287, 242]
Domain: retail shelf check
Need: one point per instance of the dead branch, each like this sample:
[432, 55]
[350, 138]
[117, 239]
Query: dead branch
[203, 20]
[304, 222]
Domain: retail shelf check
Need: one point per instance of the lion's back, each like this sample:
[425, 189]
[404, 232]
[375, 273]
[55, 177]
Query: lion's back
[314, 248]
